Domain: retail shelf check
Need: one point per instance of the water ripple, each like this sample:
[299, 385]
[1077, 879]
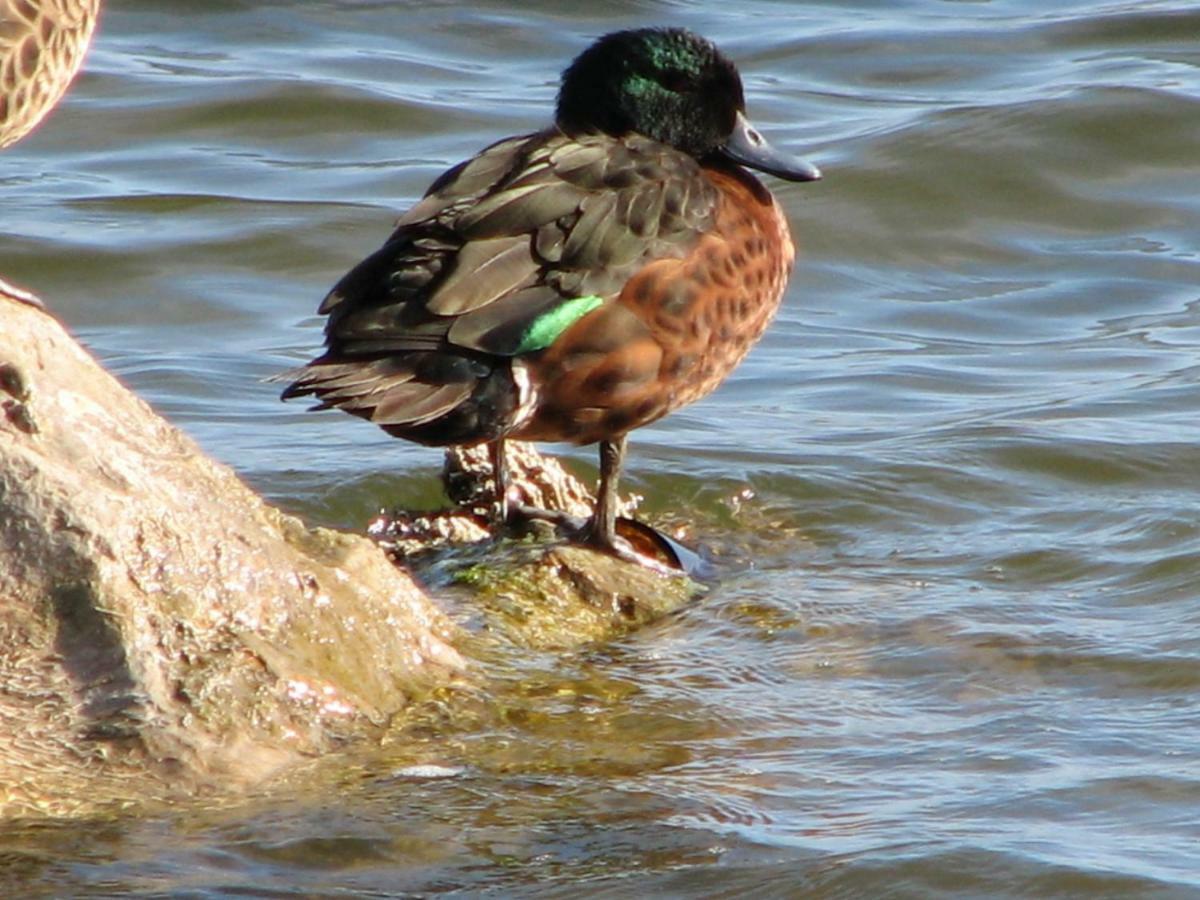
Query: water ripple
[952, 493]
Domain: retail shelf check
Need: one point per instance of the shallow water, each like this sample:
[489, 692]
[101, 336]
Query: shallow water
[954, 647]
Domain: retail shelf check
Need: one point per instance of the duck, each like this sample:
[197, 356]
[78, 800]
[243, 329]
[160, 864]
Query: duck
[42, 45]
[575, 283]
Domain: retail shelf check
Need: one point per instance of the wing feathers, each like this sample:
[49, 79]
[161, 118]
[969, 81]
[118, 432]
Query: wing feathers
[500, 328]
[502, 255]
[518, 210]
[483, 272]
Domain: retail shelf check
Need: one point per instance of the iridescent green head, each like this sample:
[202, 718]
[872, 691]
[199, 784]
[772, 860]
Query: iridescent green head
[673, 86]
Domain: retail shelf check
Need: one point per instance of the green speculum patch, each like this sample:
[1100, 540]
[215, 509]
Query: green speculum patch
[549, 326]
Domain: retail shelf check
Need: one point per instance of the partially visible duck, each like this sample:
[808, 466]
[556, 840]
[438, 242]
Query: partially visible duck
[42, 44]
[575, 283]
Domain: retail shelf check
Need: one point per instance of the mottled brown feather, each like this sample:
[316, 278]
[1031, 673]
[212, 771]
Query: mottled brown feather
[677, 329]
[42, 45]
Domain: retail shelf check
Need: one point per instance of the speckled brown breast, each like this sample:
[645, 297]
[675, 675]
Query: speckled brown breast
[42, 43]
[675, 332]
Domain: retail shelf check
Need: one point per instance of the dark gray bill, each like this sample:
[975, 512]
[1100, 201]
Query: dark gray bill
[749, 148]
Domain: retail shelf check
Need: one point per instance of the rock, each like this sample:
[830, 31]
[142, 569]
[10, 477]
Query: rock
[535, 589]
[561, 597]
[161, 628]
[535, 480]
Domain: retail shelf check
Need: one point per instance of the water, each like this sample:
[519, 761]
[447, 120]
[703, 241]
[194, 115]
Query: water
[954, 649]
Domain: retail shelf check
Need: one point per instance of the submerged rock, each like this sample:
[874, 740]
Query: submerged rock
[535, 586]
[535, 480]
[564, 596]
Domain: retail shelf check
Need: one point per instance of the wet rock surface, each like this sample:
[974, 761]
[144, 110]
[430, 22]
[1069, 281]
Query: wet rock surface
[531, 580]
[161, 628]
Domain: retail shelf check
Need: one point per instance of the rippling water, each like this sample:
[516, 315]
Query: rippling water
[954, 649]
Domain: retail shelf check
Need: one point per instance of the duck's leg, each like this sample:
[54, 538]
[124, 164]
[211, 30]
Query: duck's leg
[602, 529]
[599, 531]
[510, 512]
[499, 461]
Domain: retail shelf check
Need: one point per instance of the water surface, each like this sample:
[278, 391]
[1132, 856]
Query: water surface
[954, 647]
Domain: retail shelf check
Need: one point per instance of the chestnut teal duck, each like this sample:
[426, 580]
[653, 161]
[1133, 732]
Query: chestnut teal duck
[575, 283]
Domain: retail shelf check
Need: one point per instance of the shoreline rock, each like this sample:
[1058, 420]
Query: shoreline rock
[157, 618]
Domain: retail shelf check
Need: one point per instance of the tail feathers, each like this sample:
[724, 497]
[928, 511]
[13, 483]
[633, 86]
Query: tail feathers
[321, 378]
[416, 404]
[384, 391]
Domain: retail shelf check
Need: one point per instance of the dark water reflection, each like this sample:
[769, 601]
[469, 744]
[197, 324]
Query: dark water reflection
[954, 648]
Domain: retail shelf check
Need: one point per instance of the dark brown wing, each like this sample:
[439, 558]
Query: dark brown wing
[488, 266]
